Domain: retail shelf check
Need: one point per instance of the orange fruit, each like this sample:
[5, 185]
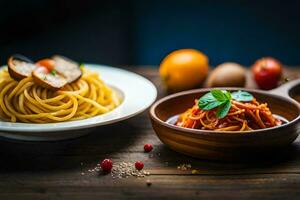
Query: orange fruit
[184, 69]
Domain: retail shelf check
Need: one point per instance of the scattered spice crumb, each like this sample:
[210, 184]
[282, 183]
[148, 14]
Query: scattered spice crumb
[148, 182]
[146, 173]
[184, 167]
[81, 164]
[151, 155]
[127, 169]
[120, 170]
[195, 171]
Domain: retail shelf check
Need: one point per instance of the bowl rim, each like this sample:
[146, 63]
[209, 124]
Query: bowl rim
[222, 133]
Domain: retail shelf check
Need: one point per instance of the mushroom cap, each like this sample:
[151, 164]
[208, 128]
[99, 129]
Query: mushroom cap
[20, 67]
[68, 68]
[46, 79]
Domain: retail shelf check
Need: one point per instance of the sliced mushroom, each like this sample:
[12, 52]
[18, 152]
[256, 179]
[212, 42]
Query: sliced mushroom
[20, 67]
[68, 68]
[47, 79]
[65, 70]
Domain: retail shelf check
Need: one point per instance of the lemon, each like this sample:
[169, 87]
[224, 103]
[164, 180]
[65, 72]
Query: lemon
[184, 69]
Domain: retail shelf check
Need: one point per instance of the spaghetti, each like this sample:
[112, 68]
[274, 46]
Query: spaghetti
[27, 101]
[242, 116]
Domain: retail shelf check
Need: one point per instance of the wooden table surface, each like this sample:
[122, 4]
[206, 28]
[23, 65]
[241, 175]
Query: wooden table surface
[60, 170]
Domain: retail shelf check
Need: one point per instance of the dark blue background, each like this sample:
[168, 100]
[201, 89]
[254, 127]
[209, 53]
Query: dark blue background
[143, 32]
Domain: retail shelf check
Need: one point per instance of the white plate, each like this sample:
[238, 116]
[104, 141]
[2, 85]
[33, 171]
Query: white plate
[137, 94]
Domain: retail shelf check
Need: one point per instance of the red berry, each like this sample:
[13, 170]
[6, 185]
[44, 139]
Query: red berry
[148, 147]
[106, 165]
[139, 165]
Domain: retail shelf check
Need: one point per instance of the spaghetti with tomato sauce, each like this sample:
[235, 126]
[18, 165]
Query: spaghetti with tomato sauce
[241, 116]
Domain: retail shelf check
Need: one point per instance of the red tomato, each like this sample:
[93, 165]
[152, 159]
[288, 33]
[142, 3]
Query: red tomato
[49, 63]
[43, 70]
[267, 72]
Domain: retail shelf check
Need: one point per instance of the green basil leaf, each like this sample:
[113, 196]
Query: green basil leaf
[223, 109]
[208, 102]
[228, 94]
[81, 66]
[219, 95]
[53, 72]
[216, 98]
[242, 96]
[208, 97]
[210, 105]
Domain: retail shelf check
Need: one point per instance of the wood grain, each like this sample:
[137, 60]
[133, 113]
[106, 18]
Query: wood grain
[53, 170]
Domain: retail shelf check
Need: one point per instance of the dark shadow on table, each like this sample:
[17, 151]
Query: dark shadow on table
[66, 154]
[276, 158]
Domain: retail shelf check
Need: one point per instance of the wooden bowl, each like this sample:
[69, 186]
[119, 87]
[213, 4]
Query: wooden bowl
[217, 145]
